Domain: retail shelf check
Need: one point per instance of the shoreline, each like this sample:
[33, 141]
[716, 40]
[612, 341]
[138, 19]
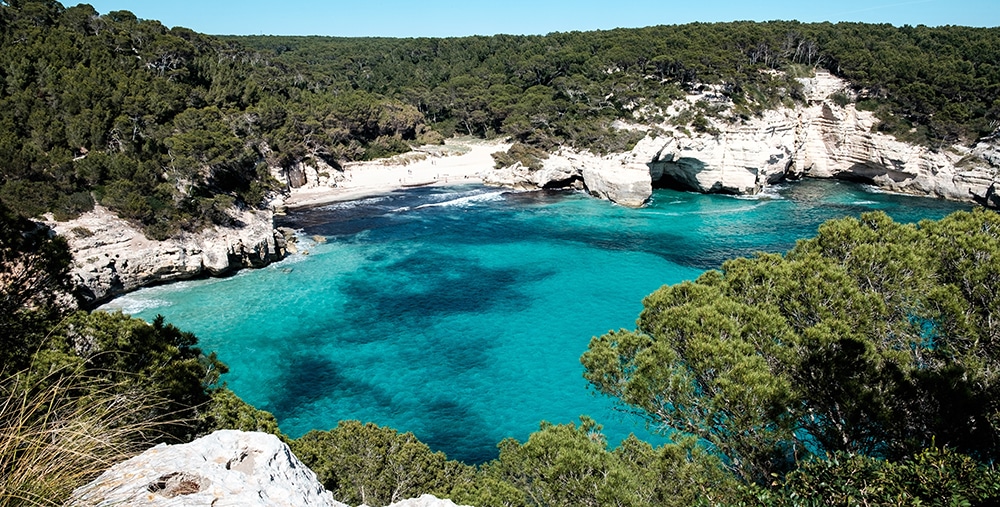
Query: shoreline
[457, 162]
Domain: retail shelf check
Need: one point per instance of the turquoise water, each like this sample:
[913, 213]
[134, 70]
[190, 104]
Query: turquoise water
[460, 313]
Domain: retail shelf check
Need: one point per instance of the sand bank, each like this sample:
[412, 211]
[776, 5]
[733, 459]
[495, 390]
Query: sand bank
[458, 162]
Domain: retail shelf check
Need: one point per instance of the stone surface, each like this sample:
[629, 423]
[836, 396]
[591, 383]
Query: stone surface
[619, 178]
[740, 159]
[112, 257]
[627, 184]
[818, 139]
[226, 468]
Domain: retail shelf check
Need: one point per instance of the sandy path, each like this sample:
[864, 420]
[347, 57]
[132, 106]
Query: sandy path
[459, 162]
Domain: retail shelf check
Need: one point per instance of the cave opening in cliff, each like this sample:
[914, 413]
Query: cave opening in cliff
[669, 182]
[571, 182]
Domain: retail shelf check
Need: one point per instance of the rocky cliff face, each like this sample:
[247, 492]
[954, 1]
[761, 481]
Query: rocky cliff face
[226, 468]
[819, 139]
[111, 256]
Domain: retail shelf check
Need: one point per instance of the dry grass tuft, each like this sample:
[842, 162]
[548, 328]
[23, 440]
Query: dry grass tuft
[62, 432]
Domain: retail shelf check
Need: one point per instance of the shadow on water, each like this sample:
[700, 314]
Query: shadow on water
[304, 380]
[456, 427]
[427, 285]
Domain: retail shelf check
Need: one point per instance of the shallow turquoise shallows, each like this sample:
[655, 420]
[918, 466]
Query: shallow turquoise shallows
[460, 313]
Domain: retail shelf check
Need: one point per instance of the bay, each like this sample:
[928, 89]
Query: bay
[460, 313]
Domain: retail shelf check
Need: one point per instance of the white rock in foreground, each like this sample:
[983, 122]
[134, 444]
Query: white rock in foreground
[226, 468]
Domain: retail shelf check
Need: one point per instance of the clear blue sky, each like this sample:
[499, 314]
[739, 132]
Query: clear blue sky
[446, 18]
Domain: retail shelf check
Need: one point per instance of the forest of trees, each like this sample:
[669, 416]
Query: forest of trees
[566, 88]
[170, 128]
[167, 127]
[859, 368]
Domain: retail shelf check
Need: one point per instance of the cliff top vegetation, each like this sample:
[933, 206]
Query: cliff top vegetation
[170, 128]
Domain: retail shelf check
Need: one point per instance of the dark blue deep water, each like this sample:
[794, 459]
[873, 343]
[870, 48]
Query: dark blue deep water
[460, 313]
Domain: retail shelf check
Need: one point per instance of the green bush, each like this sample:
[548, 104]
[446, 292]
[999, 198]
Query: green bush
[520, 153]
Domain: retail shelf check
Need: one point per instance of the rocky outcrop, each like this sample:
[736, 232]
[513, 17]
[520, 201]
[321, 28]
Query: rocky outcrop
[627, 184]
[839, 142]
[741, 159]
[619, 178]
[819, 139]
[557, 172]
[309, 173]
[226, 468]
[112, 257]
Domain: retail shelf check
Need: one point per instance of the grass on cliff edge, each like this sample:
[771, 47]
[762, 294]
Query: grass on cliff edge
[62, 432]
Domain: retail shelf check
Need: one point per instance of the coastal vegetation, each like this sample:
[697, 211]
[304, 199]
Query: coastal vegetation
[860, 367]
[167, 127]
[170, 128]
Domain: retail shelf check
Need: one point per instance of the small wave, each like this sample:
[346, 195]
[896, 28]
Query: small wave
[863, 203]
[132, 305]
[357, 203]
[742, 209]
[872, 189]
[466, 200]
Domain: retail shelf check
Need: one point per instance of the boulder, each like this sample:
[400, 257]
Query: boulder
[627, 184]
[227, 467]
[519, 177]
[618, 179]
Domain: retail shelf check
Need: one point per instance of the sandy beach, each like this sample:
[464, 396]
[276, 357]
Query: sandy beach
[458, 162]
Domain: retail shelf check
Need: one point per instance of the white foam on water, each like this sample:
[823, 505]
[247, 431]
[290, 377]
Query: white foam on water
[357, 203]
[466, 200]
[768, 193]
[132, 305]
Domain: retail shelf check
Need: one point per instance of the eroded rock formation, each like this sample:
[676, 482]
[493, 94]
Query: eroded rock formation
[819, 139]
[111, 256]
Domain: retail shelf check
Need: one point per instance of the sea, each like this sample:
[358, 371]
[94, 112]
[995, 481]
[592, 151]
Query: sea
[460, 313]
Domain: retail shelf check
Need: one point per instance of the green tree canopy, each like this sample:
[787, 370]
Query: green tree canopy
[873, 338]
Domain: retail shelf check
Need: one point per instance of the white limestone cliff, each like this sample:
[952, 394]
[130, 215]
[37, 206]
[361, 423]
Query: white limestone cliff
[227, 468]
[111, 256]
[818, 139]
